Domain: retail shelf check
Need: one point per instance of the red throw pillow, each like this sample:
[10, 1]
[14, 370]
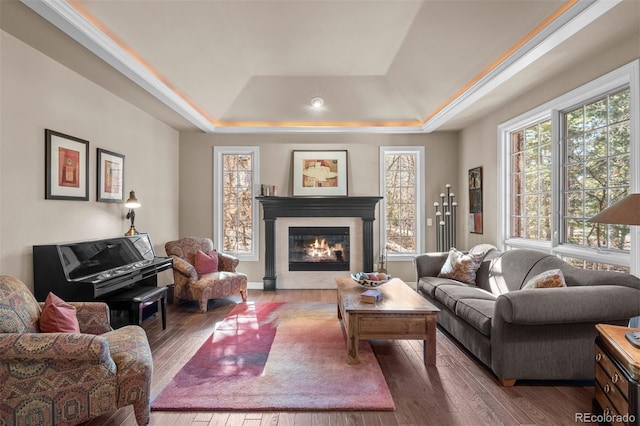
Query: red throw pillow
[58, 316]
[206, 262]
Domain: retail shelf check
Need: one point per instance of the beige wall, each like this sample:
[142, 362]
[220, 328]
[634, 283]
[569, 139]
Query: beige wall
[196, 175]
[479, 144]
[39, 93]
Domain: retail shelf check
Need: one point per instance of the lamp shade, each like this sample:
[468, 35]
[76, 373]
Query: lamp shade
[624, 212]
[132, 202]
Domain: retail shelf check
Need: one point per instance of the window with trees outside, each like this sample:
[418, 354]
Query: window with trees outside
[401, 184]
[572, 156]
[235, 209]
[531, 182]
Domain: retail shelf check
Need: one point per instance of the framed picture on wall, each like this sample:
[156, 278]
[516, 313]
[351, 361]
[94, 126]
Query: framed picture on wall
[319, 173]
[475, 200]
[66, 167]
[110, 176]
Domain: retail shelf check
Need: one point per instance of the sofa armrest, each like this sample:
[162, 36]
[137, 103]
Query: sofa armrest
[53, 347]
[568, 305]
[185, 268]
[429, 264]
[227, 262]
[93, 317]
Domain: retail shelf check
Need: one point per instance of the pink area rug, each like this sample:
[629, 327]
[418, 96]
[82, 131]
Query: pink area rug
[277, 356]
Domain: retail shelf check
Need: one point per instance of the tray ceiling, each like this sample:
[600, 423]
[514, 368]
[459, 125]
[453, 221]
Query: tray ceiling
[397, 65]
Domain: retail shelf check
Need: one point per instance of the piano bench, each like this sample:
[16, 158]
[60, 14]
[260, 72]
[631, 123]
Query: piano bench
[135, 300]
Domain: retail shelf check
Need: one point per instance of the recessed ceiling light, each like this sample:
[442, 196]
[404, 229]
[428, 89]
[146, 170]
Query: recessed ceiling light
[317, 103]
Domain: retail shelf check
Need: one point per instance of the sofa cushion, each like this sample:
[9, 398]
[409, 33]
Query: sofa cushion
[450, 294]
[477, 312]
[428, 285]
[58, 316]
[547, 279]
[510, 270]
[461, 267]
[206, 262]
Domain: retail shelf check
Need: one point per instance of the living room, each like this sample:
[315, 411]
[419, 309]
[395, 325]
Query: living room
[49, 82]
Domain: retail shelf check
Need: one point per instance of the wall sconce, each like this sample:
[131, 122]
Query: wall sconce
[132, 203]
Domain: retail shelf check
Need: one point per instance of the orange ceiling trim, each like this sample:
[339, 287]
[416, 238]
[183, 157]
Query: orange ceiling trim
[562, 9]
[318, 124]
[124, 46]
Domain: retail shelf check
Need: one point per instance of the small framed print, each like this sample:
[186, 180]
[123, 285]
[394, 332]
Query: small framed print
[319, 173]
[110, 177]
[66, 167]
[475, 200]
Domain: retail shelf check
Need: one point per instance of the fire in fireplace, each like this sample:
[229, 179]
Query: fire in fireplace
[319, 248]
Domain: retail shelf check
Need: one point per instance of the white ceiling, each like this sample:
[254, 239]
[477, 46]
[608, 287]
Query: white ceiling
[387, 65]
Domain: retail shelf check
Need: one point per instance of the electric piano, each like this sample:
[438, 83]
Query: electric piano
[88, 271]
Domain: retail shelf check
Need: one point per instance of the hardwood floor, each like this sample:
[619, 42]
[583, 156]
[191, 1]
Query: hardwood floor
[457, 391]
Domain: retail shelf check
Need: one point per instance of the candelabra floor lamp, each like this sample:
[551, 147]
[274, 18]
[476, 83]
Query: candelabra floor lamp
[446, 220]
[624, 212]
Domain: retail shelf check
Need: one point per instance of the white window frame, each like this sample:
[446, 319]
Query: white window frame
[420, 177]
[627, 75]
[218, 194]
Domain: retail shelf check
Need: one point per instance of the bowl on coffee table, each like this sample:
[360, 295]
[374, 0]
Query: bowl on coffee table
[370, 279]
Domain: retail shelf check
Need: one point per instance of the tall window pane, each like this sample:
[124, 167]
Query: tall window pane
[401, 185]
[596, 169]
[531, 182]
[235, 217]
[237, 203]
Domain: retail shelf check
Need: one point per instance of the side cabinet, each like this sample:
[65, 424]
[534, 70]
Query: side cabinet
[617, 377]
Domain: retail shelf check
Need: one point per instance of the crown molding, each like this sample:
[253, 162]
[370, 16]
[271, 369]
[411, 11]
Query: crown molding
[64, 16]
[578, 16]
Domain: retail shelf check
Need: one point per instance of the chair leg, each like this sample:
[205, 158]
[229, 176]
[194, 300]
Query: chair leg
[243, 293]
[203, 305]
[142, 412]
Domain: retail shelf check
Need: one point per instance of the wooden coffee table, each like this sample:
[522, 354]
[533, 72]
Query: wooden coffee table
[402, 314]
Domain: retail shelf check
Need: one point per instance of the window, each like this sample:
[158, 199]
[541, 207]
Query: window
[596, 169]
[235, 209]
[564, 162]
[531, 182]
[595, 266]
[401, 183]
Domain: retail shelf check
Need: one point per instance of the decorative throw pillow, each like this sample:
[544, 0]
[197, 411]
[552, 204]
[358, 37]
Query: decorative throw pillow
[547, 279]
[461, 267]
[206, 262]
[58, 316]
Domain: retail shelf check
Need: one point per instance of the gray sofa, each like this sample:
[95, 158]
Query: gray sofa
[535, 334]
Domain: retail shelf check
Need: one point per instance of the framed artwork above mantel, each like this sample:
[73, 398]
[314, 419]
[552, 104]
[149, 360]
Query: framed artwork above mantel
[319, 173]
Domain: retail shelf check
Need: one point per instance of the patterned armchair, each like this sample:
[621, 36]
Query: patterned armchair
[189, 285]
[68, 378]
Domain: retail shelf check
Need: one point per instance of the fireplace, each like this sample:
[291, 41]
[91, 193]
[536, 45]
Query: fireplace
[319, 248]
[316, 207]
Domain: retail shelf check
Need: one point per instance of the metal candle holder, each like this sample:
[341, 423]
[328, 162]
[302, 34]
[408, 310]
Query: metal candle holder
[446, 220]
